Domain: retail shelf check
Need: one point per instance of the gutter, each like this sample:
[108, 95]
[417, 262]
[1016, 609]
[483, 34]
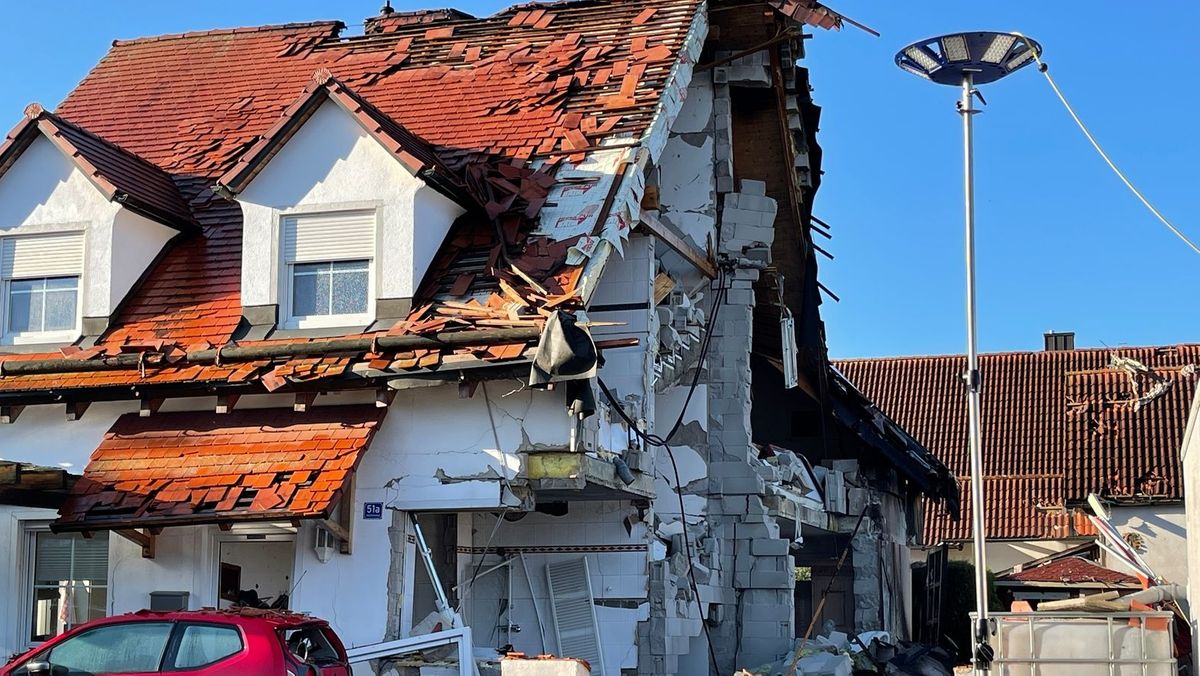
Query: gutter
[305, 349]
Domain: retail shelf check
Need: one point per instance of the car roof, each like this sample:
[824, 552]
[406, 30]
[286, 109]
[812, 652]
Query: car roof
[245, 617]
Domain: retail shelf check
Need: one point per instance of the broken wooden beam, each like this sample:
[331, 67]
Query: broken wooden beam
[677, 243]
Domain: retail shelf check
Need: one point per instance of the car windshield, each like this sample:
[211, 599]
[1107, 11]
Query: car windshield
[310, 645]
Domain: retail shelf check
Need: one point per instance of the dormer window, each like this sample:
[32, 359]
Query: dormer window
[328, 268]
[40, 275]
[343, 211]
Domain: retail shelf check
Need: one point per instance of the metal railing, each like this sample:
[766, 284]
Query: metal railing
[460, 637]
[1029, 655]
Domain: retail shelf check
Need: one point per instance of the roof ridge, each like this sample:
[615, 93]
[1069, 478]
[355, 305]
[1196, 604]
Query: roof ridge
[1004, 353]
[231, 31]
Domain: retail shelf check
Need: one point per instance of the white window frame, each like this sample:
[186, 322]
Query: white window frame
[291, 321]
[27, 533]
[7, 337]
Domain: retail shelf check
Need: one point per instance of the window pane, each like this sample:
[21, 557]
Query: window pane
[350, 291]
[122, 648]
[63, 557]
[69, 582]
[60, 310]
[26, 285]
[59, 283]
[310, 289]
[202, 645]
[24, 308]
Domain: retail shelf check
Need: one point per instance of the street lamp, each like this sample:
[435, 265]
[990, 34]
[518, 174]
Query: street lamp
[966, 60]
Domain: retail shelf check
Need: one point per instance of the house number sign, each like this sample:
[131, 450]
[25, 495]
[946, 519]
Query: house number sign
[372, 510]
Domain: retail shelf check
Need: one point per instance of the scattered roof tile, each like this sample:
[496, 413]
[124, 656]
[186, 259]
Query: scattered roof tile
[195, 105]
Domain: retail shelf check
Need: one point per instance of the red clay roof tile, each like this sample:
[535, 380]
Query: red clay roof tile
[1056, 427]
[1071, 570]
[194, 104]
[197, 468]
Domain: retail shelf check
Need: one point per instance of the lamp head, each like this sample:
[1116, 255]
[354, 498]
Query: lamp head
[984, 55]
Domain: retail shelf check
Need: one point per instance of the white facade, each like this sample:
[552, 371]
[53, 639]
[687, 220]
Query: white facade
[331, 164]
[45, 192]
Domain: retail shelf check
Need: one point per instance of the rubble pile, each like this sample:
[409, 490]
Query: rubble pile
[872, 652]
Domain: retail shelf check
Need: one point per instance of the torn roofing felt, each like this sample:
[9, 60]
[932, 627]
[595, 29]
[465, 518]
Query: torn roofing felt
[193, 468]
[523, 113]
[1057, 426]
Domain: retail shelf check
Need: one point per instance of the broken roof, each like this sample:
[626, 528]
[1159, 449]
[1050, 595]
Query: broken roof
[513, 103]
[1074, 570]
[195, 468]
[1056, 426]
[119, 174]
[412, 151]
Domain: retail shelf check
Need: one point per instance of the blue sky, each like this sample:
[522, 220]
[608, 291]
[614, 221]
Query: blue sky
[1062, 245]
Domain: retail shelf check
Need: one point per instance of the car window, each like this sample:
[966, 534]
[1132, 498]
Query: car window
[309, 645]
[204, 644]
[114, 649]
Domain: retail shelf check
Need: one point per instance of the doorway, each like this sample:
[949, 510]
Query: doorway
[255, 572]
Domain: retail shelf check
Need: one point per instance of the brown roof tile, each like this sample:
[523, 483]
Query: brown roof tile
[1066, 414]
[1071, 570]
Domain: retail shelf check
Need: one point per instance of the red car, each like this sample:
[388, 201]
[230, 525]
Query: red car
[245, 642]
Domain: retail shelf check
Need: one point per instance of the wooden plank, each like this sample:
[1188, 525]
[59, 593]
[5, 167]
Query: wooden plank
[679, 245]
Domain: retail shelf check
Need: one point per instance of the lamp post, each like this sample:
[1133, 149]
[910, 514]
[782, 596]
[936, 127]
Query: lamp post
[967, 60]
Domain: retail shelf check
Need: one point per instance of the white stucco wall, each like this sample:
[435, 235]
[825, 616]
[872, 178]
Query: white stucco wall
[425, 429]
[332, 164]
[45, 192]
[1002, 555]
[1190, 455]
[1164, 531]
[136, 241]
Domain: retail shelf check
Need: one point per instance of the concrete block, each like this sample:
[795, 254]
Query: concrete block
[769, 547]
[741, 486]
[756, 531]
[773, 579]
[755, 202]
[752, 187]
[766, 612]
[767, 629]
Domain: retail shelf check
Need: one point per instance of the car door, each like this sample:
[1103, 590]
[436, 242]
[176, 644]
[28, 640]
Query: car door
[124, 648]
[213, 649]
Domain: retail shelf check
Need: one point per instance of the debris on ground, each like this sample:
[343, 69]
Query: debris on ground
[872, 652]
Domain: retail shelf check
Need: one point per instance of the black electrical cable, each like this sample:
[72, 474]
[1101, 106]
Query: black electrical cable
[662, 442]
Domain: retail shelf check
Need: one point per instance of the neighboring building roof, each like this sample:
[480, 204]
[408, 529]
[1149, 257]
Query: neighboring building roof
[119, 174]
[490, 97]
[28, 485]
[202, 468]
[1071, 570]
[1056, 427]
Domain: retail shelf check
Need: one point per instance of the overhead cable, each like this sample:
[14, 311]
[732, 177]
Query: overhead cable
[1045, 70]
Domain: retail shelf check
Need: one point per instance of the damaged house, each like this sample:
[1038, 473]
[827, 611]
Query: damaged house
[1058, 425]
[455, 323]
